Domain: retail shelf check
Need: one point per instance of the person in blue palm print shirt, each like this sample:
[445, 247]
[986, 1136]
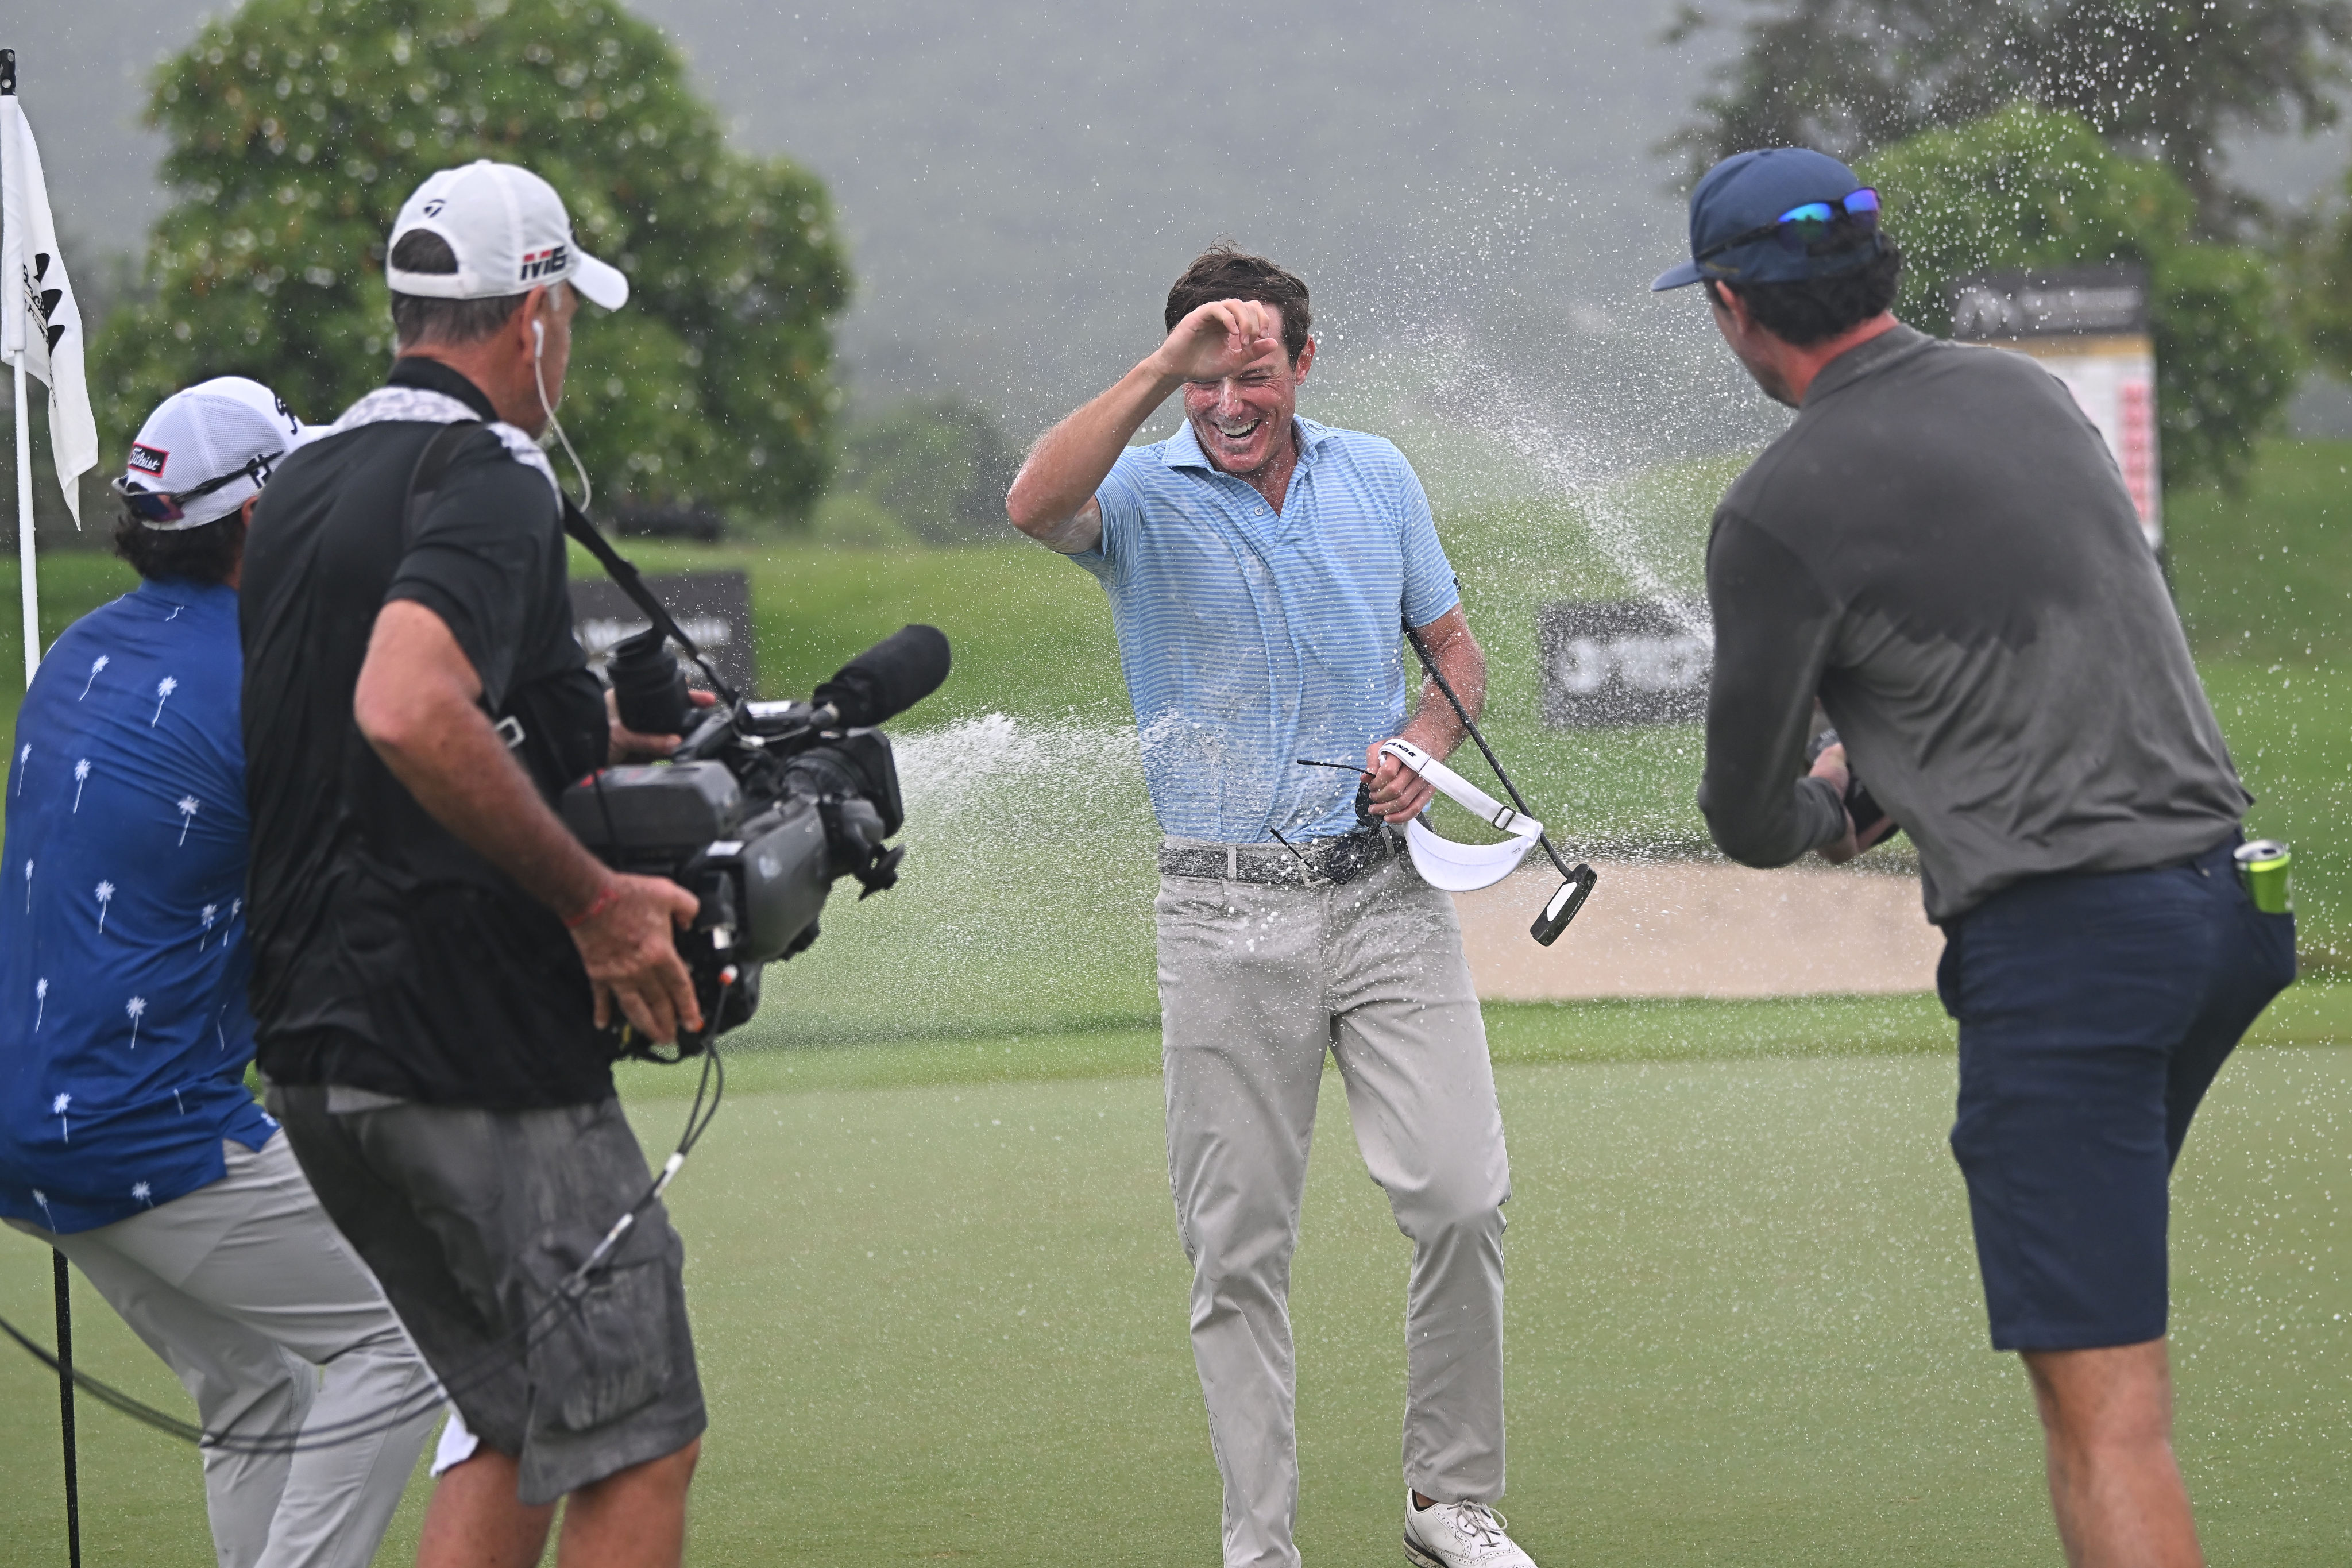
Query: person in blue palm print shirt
[128, 1139]
[122, 951]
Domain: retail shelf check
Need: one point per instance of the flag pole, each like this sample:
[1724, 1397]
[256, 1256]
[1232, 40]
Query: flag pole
[24, 526]
[23, 458]
[61, 1280]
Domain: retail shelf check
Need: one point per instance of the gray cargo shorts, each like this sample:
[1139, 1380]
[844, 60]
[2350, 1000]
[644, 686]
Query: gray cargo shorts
[471, 1221]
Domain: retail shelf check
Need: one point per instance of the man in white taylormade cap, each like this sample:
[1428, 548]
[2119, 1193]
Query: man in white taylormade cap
[433, 951]
[127, 1138]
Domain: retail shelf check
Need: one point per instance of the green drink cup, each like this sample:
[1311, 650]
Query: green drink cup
[2261, 867]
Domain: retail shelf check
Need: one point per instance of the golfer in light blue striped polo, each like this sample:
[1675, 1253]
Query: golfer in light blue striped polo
[1259, 566]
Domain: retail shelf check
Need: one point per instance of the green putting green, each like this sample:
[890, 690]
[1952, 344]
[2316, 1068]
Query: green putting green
[940, 1310]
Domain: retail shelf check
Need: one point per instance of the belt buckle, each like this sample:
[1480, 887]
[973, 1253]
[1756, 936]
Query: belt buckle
[1351, 855]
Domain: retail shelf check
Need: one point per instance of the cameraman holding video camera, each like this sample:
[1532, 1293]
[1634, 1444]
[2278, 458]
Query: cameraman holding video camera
[434, 952]
[1941, 551]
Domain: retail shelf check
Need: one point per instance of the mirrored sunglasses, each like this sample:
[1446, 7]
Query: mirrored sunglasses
[169, 506]
[1802, 228]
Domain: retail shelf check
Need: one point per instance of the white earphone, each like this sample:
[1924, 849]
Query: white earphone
[537, 353]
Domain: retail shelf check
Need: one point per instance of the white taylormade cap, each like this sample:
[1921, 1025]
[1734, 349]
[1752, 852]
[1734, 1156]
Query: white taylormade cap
[225, 427]
[509, 232]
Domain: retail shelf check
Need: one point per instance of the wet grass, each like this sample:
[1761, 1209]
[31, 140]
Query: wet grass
[2317, 1012]
[937, 1297]
[2267, 575]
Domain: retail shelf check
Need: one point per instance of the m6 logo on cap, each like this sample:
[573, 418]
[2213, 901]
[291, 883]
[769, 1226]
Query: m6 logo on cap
[548, 263]
[148, 460]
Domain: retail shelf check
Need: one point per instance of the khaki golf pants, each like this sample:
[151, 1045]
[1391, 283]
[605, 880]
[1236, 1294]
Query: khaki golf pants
[274, 1327]
[1257, 983]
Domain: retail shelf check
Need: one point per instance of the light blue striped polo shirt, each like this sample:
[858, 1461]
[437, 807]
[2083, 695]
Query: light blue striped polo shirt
[1249, 639]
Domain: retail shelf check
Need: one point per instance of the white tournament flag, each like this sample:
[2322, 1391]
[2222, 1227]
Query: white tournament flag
[40, 324]
[40, 335]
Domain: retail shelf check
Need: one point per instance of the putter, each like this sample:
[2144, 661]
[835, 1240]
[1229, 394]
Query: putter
[1576, 884]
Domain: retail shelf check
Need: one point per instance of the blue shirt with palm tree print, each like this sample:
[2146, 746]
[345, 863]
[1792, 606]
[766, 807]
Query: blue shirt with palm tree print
[123, 1029]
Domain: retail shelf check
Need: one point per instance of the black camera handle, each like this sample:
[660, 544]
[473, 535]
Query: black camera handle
[433, 462]
[623, 570]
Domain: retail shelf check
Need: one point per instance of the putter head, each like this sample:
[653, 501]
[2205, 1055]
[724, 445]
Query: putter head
[1562, 906]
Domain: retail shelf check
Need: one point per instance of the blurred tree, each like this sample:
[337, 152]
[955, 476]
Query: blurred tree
[298, 127]
[2026, 187]
[2156, 77]
[938, 467]
[2319, 269]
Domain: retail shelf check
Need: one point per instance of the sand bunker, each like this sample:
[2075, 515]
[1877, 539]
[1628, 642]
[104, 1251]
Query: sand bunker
[1692, 928]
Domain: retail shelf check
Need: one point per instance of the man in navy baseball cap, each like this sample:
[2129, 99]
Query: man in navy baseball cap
[1787, 244]
[1939, 555]
[1779, 216]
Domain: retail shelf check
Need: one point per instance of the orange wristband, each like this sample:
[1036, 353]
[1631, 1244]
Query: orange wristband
[603, 902]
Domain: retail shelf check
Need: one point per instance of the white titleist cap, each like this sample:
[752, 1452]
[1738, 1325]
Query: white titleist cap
[509, 232]
[227, 427]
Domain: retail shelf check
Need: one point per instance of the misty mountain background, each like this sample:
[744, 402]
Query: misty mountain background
[1474, 192]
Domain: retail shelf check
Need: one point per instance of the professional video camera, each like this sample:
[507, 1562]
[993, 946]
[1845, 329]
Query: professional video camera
[761, 808]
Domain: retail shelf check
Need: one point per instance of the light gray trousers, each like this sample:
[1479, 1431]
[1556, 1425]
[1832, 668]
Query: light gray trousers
[271, 1322]
[1257, 983]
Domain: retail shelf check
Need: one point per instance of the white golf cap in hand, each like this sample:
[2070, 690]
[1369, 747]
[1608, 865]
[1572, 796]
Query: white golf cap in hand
[1446, 863]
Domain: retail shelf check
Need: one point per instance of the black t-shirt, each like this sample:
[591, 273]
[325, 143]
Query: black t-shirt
[386, 954]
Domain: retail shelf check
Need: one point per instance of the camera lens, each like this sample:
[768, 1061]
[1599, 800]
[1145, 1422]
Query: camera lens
[648, 685]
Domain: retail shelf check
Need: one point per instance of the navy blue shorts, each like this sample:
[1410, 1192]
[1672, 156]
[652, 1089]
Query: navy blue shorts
[2094, 1013]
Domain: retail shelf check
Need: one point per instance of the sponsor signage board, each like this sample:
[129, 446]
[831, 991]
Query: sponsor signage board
[714, 609]
[2088, 327]
[1626, 662]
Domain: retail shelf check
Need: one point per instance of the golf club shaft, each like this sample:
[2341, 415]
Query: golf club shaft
[1429, 664]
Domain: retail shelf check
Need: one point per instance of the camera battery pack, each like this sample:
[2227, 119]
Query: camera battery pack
[654, 811]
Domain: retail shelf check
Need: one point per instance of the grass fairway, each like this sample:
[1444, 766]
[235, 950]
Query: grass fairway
[940, 1310]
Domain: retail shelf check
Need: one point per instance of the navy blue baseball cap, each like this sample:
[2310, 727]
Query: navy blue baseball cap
[1735, 233]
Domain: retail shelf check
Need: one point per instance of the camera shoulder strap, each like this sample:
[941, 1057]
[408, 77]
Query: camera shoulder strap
[624, 572]
[425, 479]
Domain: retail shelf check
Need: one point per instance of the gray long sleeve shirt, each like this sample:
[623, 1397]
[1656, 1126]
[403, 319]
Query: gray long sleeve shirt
[1942, 550]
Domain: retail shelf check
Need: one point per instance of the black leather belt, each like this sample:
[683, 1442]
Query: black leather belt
[1317, 862]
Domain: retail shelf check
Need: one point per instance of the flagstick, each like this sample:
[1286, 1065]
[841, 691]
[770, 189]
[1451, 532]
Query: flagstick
[60, 1280]
[24, 529]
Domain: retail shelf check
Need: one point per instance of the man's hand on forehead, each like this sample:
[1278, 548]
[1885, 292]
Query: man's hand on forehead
[1224, 338]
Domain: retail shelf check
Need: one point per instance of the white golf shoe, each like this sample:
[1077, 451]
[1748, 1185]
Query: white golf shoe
[1459, 1535]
